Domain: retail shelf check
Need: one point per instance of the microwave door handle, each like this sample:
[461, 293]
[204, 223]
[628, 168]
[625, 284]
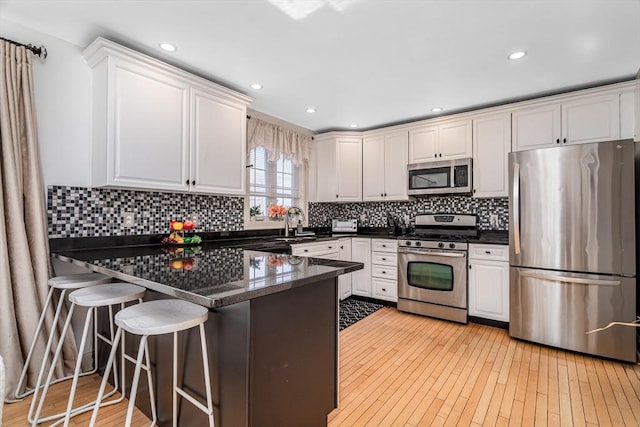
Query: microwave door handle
[516, 208]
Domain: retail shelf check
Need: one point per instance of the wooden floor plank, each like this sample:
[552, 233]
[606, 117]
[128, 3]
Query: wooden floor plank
[397, 369]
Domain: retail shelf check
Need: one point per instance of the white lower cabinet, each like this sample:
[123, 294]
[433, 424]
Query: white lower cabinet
[489, 282]
[331, 249]
[384, 269]
[344, 281]
[361, 279]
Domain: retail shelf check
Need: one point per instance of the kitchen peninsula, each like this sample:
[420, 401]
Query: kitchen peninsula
[272, 329]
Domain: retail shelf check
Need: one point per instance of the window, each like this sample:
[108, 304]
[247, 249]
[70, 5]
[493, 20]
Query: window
[273, 183]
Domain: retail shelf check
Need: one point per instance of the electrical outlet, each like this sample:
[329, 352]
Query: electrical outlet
[195, 218]
[128, 220]
[493, 221]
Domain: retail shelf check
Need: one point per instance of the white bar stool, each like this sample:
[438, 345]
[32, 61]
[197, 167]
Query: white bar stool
[63, 284]
[93, 297]
[157, 318]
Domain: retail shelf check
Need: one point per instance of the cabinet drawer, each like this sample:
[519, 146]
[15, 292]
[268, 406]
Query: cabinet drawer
[385, 289]
[384, 272]
[384, 258]
[489, 252]
[315, 249]
[384, 245]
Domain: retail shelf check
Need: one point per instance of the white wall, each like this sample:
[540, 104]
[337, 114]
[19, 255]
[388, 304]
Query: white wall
[63, 94]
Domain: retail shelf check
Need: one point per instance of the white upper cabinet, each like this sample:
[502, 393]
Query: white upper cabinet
[157, 127]
[423, 144]
[339, 168]
[349, 169]
[218, 144]
[591, 119]
[573, 121]
[445, 141]
[384, 166]
[536, 127]
[491, 145]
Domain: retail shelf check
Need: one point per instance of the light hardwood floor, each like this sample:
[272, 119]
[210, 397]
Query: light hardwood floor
[398, 369]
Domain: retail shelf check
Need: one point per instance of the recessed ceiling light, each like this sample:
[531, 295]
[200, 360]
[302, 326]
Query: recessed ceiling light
[353, 125]
[311, 110]
[436, 109]
[168, 47]
[518, 55]
[256, 86]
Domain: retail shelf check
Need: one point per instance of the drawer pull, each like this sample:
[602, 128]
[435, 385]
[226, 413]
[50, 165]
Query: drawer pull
[330, 247]
[306, 250]
[384, 272]
[384, 259]
[487, 252]
[384, 246]
[384, 290]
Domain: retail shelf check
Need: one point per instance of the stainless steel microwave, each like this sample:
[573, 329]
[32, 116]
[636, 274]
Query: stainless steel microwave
[444, 177]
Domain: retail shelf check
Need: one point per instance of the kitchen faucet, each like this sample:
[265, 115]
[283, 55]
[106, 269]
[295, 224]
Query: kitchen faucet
[293, 210]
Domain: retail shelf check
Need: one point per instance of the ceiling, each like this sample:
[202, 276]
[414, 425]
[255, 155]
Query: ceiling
[368, 62]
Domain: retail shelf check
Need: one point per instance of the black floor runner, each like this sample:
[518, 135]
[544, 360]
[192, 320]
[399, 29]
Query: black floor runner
[353, 310]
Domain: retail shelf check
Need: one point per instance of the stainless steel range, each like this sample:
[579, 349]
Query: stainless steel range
[432, 266]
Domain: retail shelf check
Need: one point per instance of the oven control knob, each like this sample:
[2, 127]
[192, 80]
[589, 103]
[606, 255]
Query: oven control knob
[441, 245]
[418, 244]
[408, 242]
[452, 245]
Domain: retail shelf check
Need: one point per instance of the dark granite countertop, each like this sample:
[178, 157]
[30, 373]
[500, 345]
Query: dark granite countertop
[213, 275]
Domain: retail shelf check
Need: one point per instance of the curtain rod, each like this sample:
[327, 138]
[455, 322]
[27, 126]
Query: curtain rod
[40, 51]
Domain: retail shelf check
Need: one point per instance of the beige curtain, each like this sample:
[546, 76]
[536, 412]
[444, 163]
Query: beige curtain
[278, 140]
[24, 247]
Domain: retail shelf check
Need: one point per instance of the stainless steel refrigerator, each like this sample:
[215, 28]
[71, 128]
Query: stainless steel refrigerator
[572, 247]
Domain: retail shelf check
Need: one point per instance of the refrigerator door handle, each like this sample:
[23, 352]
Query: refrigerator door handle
[577, 280]
[516, 208]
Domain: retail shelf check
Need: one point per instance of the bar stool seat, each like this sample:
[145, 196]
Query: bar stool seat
[77, 281]
[62, 284]
[162, 317]
[158, 318]
[92, 297]
[101, 296]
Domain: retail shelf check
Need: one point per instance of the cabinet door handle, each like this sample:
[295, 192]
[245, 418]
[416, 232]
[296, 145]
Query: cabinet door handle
[440, 154]
[381, 195]
[193, 182]
[558, 141]
[385, 194]
[341, 247]
[336, 196]
[564, 141]
[474, 190]
[469, 266]
[187, 182]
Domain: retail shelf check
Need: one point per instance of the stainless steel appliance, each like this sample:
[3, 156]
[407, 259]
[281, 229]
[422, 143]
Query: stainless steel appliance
[344, 226]
[445, 177]
[432, 266]
[572, 247]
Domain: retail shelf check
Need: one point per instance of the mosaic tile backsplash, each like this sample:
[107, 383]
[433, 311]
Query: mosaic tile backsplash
[94, 212]
[374, 214]
[97, 212]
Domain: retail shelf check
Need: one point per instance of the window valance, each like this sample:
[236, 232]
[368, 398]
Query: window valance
[278, 141]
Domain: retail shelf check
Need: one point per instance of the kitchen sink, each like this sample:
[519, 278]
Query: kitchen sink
[295, 239]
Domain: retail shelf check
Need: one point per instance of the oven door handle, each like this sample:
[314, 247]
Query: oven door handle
[433, 253]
